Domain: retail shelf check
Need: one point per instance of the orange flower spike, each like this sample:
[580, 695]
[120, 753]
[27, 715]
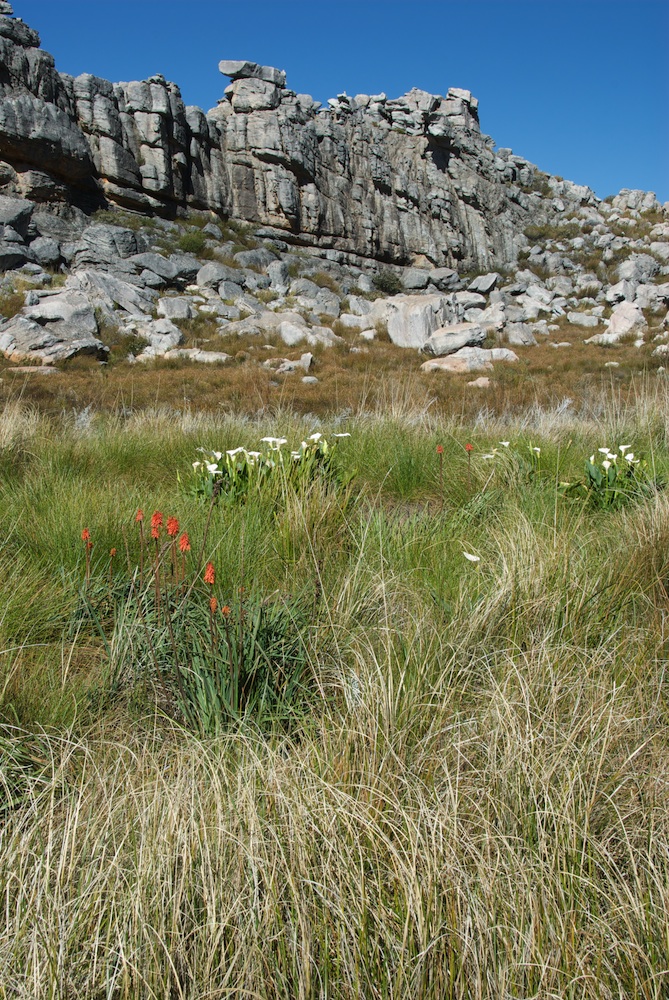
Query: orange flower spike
[213, 604]
[225, 610]
[156, 519]
[172, 527]
[440, 449]
[112, 553]
[155, 533]
[209, 574]
[139, 516]
[85, 535]
[184, 543]
[469, 447]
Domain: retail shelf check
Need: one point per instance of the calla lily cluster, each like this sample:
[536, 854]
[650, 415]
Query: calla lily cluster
[613, 477]
[239, 471]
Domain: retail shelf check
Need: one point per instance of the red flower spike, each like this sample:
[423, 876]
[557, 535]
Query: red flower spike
[85, 535]
[155, 533]
[172, 527]
[209, 574]
[469, 447]
[213, 604]
[184, 543]
[156, 519]
[139, 516]
[440, 449]
[225, 610]
[112, 553]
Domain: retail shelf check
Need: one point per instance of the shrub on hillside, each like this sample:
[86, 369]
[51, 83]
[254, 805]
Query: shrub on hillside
[387, 282]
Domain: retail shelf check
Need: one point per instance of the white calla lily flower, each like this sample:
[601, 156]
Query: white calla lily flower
[471, 558]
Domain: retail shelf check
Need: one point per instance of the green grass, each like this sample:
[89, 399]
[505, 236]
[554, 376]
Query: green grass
[472, 804]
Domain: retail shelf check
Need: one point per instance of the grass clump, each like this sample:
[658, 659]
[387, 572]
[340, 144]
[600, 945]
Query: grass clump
[325, 280]
[194, 241]
[549, 231]
[124, 218]
[11, 302]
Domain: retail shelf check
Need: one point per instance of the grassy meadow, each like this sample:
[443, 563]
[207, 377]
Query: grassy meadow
[449, 775]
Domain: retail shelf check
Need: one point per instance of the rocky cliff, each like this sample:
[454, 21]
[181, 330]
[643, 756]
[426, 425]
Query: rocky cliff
[348, 206]
[410, 180]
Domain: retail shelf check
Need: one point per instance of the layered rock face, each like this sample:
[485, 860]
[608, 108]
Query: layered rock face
[411, 180]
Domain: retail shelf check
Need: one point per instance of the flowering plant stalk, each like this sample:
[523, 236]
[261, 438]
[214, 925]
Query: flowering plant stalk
[211, 660]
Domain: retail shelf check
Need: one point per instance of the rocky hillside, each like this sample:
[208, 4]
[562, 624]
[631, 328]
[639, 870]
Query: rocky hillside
[123, 210]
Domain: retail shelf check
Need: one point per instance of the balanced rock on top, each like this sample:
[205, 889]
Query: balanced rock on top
[242, 69]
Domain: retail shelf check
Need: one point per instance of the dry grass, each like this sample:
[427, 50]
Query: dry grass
[348, 381]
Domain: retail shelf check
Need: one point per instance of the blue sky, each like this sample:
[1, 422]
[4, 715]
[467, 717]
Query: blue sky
[579, 88]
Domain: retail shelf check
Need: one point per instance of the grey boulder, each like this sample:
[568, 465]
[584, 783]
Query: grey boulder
[58, 327]
[46, 251]
[626, 319]
[176, 308]
[108, 292]
[104, 244]
[519, 335]
[277, 272]
[16, 212]
[411, 319]
[484, 283]
[469, 359]
[12, 255]
[415, 278]
[194, 354]
[583, 319]
[444, 278]
[69, 313]
[449, 339]
[161, 334]
[162, 266]
[212, 274]
[639, 267]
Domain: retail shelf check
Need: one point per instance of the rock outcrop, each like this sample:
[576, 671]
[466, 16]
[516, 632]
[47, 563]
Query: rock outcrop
[411, 179]
[369, 219]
